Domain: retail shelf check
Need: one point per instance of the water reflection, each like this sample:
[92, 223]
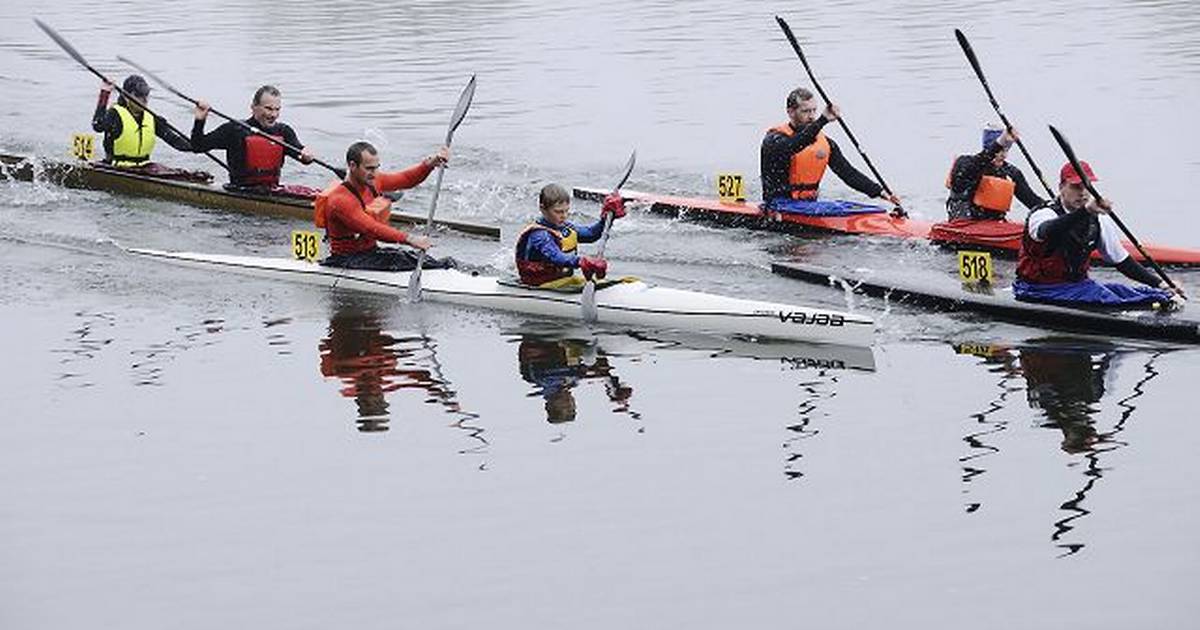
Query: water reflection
[555, 366]
[372, 363]
[1066, 383]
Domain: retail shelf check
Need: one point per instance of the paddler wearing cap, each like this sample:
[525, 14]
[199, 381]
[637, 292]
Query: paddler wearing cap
[129, 130]
[795, 154]
[545, 250]
[982, 185]
[1057, 246]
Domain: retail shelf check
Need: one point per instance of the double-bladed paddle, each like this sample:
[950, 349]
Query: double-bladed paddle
[974, 61]
[340, 172]
[1066, 147]
[70, 50]
[588, 300]
[787, 30]
[460, 112]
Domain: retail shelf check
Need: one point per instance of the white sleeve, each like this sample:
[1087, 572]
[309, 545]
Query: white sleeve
[1111, 249]
[1037, 219]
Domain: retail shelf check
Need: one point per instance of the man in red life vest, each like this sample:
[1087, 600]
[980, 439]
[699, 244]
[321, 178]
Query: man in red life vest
[982, 186]
[254, 161]
[1056, 251]
[355, 213]
[545, 251]
[795, 154]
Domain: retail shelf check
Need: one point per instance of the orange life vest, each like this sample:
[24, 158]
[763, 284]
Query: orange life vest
[263, 161]
[993, 193]
[807, 166]
[535, 272]
[380, 207]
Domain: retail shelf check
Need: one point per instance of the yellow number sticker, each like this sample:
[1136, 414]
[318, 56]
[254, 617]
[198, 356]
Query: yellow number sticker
[731, 187]
[975, 267]
[306, 245]
[83, 146]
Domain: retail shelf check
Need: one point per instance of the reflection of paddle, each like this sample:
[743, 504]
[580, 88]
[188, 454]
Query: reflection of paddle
[170, 88]
[70, 50]
[588, 300]
[1066, 147]
[460, 112]
[787, 30]
[970, 53]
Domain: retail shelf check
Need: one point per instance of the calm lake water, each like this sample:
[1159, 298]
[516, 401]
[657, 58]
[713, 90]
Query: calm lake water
[187, 449]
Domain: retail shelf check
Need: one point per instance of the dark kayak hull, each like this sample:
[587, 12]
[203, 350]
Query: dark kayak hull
[1001, 237]
[90, 176]
[1001, 305]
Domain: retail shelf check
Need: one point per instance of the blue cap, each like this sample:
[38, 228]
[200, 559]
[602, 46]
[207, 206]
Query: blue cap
[990, 134]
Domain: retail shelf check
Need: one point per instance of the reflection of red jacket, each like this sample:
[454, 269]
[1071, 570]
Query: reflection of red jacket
[352, 230]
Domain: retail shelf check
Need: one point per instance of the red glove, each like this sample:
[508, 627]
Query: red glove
[593, 267]
[614, 204]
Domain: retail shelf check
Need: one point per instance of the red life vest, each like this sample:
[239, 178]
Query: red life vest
[1065, 258]
[264, 161]
[807, 166]
[993, 193]
[535, 272]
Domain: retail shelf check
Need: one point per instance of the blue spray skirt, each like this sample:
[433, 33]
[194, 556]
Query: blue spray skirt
[1089, 292]
[821, 207]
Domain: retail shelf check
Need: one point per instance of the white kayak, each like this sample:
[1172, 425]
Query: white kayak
[634, 303]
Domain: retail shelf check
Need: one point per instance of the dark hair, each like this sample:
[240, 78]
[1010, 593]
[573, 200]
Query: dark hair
[552, 194]
[797, 95]
[355, 152]
[266, 89]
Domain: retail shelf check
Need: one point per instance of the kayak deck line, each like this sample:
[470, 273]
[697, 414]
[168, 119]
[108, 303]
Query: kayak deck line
[634, 304]
[1143, 324]
[93, 176]
[999, 237]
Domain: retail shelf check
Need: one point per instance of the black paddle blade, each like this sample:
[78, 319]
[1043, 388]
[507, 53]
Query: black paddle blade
[628, 170]
[969, 52]
[62, 43]
[460, 110]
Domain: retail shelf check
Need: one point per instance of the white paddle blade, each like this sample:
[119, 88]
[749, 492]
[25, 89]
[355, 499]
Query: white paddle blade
[460, 110]
[590, 313]
[414, 283]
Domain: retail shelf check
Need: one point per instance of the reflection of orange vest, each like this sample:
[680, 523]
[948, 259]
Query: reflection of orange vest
[807, 166]
[993, 193]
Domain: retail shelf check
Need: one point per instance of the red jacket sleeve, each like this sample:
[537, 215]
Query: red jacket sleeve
[347, 211]
[399, 180]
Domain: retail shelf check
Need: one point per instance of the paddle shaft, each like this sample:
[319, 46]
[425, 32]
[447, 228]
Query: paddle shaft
[170, 88]
[787, 30]
[974, 61]
[1066, 147]
[74, 54]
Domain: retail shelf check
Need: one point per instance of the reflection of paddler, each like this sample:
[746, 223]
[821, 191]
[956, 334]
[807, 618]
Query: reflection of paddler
[368, 361]
[556, 366]
[1065, 383]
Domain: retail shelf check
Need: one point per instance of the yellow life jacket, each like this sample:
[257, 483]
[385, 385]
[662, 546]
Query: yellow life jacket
[807, 166]
[133, 146]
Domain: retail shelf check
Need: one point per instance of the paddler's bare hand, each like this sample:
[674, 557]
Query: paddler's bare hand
[891, 198]
[419, 242]
[1177, 294]
[201, 110]
[441, 158]
[1099, 206]
[1009, 136]
[106, 88]
[832, 113]
[306, 156]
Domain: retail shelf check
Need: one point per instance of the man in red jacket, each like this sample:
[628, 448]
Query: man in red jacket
[355, 213]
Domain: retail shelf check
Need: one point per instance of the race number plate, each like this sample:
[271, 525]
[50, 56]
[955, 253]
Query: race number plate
[731, 187]
[975, 267]
[83, 146]
[306, 245]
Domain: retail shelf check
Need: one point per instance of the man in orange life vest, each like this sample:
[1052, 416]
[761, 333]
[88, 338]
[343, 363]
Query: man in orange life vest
[254, 161]
[795, 154]
[982, 186]
[545, 250]
[129, 130]
[1057, 245]
[355, 213]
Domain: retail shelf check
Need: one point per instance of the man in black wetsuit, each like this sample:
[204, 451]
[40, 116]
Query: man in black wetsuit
[982, 185]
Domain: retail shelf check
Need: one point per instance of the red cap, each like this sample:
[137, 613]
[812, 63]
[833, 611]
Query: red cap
[1068, 175]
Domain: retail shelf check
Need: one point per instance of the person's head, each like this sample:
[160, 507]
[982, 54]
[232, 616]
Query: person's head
[560, 406]
[136, 87]
[991, 133]
[555, 203]
[266, 105]
[1071, 189]
[801, 107]
[362, 161]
